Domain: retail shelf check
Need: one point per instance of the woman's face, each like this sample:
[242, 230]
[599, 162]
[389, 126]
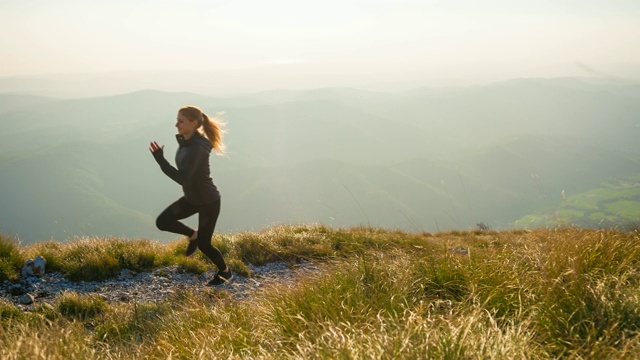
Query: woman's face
[185, 126]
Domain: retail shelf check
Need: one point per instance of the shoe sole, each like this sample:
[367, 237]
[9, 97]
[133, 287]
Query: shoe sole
[226, 281]
[191, 250]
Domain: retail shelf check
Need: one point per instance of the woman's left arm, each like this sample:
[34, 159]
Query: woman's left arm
[158, 154]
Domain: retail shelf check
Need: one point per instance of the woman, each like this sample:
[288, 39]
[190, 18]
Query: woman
[200, 194]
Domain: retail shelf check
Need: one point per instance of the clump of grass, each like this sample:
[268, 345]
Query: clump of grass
[297, 243]
[282, 243]
[131, 323]
[503, 281]
[587, 296]
[8, 311]
[10, 258]
[139, 255]
[91, 266]
[193, 265]
[589, 313]
[255, 249]
[239, 268]
[78, 306]
[444, 277]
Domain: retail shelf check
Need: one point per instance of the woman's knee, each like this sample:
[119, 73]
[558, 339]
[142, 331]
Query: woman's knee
[162, 222]
[204, 245]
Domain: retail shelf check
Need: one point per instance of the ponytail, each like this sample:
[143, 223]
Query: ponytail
[213, 128]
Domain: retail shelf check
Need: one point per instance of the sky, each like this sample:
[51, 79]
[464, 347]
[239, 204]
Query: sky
[437, 39]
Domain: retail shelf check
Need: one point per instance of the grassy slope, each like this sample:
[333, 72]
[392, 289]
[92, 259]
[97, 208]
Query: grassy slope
[564, 293]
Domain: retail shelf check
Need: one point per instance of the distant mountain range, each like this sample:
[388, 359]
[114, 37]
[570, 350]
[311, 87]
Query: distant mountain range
[505, 154]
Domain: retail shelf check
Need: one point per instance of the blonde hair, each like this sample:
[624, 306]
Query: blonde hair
[212, 126]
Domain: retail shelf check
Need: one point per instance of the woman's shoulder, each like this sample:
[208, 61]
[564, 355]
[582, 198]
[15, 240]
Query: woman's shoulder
[202, 142]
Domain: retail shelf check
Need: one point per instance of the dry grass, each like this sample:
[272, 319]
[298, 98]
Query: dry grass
[10, 258]
[559, 293]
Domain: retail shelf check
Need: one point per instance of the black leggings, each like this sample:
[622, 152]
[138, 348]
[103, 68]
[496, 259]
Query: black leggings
[207, 217]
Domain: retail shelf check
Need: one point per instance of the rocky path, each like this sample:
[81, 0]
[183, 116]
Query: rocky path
[143, 287]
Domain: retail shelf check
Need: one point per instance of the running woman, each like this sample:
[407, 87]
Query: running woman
[197, 135]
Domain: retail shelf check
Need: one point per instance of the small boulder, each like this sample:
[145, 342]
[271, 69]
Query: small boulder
[26, 299]
[33, 267]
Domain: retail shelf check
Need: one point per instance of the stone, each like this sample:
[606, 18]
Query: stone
[123, 296]
[33, 267]
[26, 299]
[16, 290]
[460, 250]
[127, 274]
[43, 294]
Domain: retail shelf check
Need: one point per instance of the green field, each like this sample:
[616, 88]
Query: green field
[612, 204]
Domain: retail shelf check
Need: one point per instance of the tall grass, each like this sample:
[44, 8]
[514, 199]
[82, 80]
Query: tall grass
[559, 293]
[10, 258]
[99, 259]
[590, 288]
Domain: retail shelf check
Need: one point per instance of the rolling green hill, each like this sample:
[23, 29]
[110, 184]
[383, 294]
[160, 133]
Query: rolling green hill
[429, 159]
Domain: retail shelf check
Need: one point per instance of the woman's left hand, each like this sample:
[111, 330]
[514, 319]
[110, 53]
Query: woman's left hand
[153, 147]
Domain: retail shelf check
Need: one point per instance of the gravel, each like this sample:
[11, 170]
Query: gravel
[144, 287]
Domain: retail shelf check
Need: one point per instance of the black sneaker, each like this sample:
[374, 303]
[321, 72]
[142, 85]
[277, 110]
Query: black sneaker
[191, 248]
[221, 278]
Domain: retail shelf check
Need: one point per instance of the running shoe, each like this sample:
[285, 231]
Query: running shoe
[221, 278]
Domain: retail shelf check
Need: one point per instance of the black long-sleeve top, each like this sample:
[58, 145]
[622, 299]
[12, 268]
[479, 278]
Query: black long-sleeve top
[193, 172]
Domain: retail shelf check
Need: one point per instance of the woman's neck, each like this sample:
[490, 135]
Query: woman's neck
[189, 135]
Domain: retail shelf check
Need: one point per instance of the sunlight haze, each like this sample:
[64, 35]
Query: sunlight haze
[355, 42]
[415, 115]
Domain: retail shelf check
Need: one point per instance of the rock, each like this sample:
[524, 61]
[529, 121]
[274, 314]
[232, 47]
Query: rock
[33, 267]
[26, 299]
[16, 290]
[123, 296]
[43, 294]
[460, 250]
[127, 274]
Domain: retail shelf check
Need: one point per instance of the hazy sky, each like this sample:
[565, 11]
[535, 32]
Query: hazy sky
[444, 38]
